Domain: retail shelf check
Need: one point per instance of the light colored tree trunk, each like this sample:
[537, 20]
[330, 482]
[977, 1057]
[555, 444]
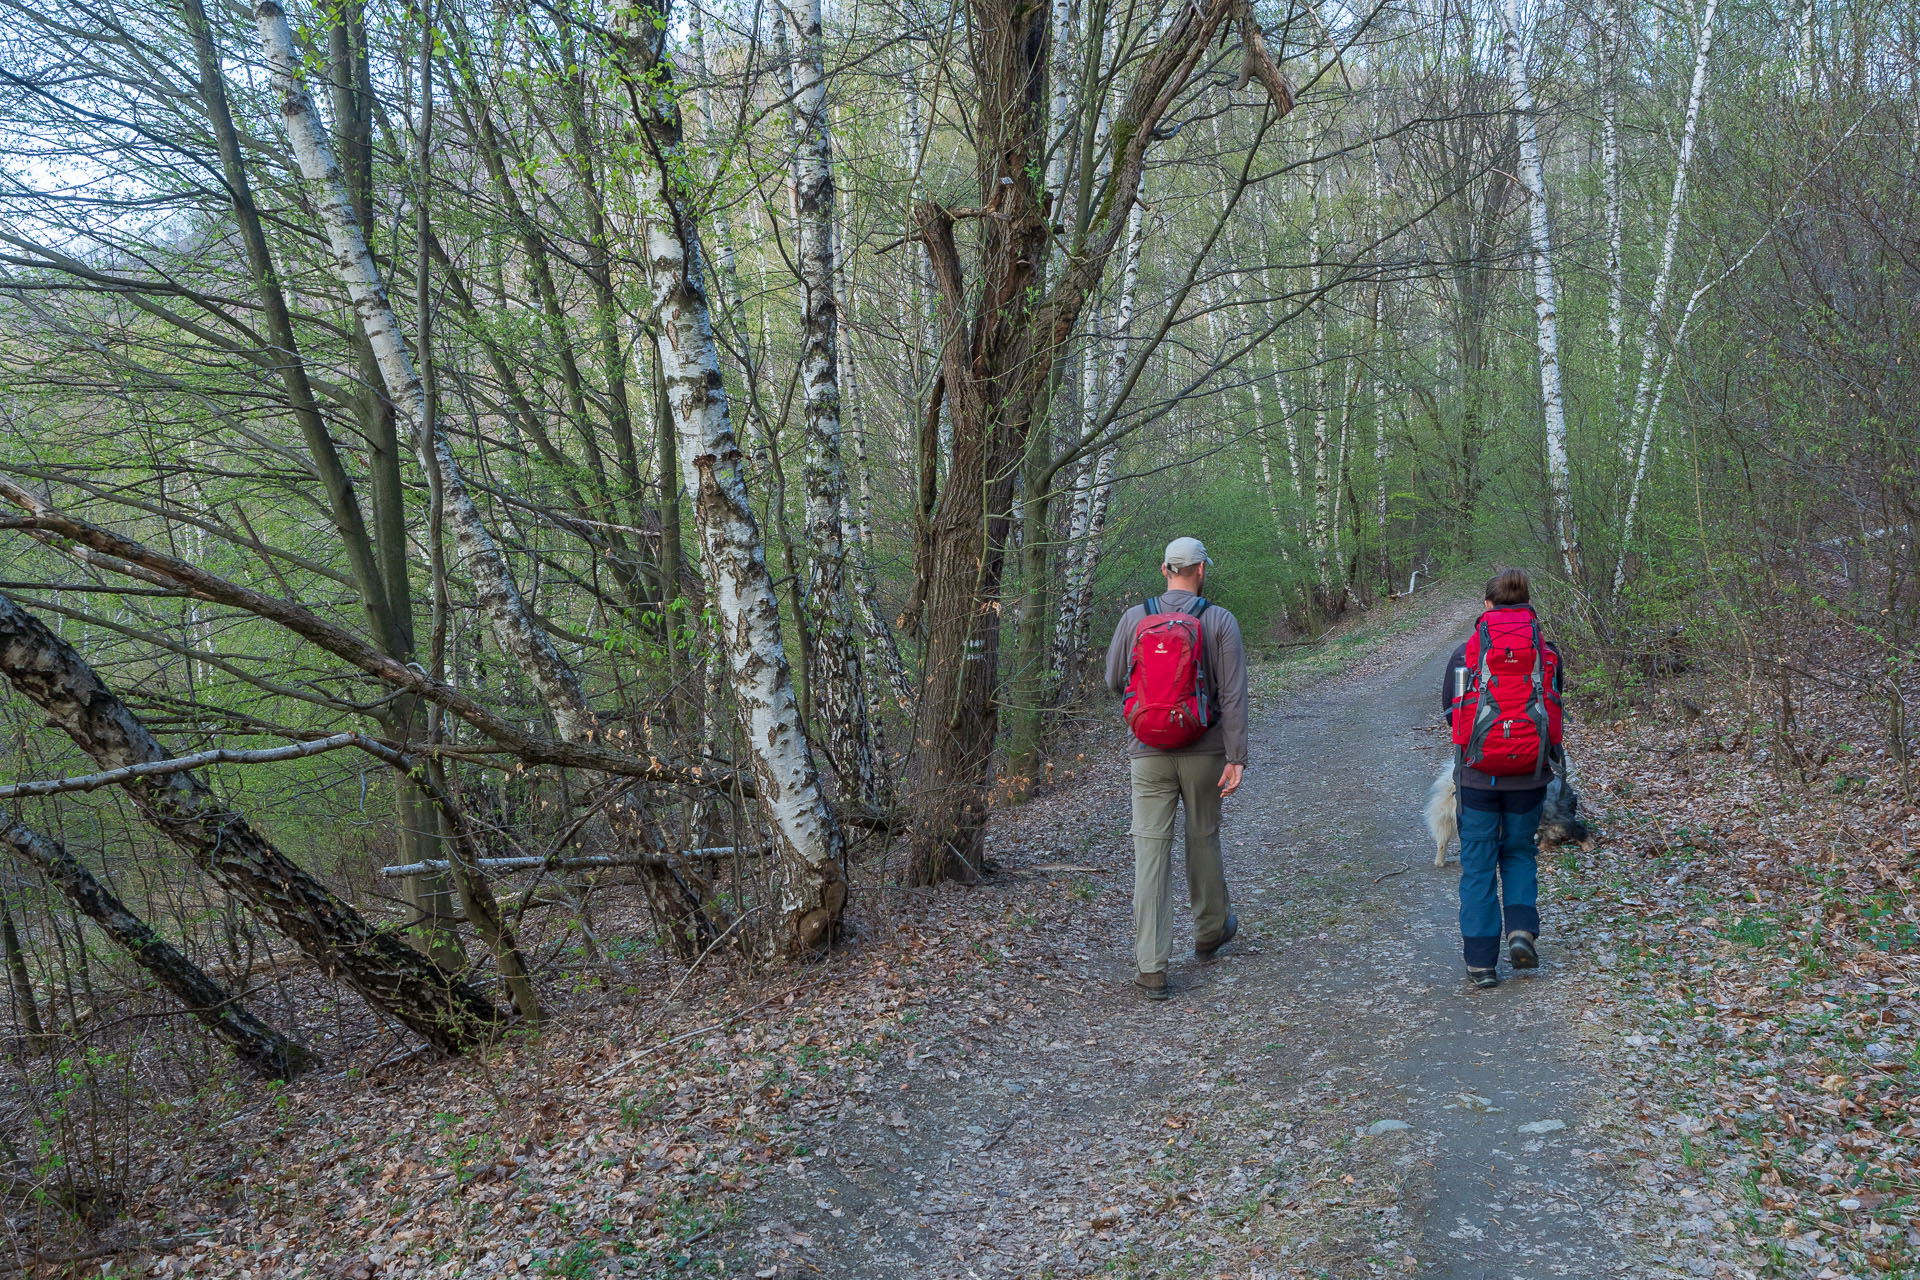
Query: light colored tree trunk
[1639, 419]
[353, 264]
[1066, 631]
[1322, 494]
[1381, 455]
[1612, 40]
[1808, 69]
[883, 648]
[812, 887]
[837, 686]
[1545, 311]
[1100, 486]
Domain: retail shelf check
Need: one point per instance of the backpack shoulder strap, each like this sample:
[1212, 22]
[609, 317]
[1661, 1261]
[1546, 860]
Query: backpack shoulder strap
[1153, 605]
[1200, 605]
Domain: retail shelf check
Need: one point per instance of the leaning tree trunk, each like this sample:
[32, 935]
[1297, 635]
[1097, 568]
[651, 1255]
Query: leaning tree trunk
[353, 263]
[1545, 313]
[50, 673]
[838, 691]
[264, 1051]
[809, 841]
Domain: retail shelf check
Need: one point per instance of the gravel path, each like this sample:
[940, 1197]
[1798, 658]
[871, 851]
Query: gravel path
[1327, 1099]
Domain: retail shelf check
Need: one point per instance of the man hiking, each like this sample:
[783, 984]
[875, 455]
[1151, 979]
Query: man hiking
[1500, 695]
[1179, 661]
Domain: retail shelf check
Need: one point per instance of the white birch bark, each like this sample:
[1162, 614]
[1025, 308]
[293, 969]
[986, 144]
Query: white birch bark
[1808, 18]
[1546, 316]
[1066, 631]
[353, 264]
[883, 648]
[1060, 71]
[1382, 455]
[1276, 357]
[1321, 495]
[1380, 449]
[839, 693]
[1639, 421]
[1101, 485]
[809, 841]
[1612, 40]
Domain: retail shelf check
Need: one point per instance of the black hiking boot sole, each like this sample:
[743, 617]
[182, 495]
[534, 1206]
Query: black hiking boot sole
[1484, 979]
[1227, 934]
[1521, 953]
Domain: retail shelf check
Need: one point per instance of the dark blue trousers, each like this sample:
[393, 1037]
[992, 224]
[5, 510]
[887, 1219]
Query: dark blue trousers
[1497, 861]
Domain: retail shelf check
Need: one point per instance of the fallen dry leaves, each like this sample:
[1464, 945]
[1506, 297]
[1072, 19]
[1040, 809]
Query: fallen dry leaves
[1754, 900]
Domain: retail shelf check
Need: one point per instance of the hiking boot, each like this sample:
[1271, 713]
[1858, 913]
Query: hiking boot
[1205, 950]
[1152, 985]
[1521, 953]
[1483, 978]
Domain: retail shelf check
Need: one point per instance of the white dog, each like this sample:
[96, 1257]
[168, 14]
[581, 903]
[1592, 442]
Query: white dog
[1559, 819]
[1443, 814]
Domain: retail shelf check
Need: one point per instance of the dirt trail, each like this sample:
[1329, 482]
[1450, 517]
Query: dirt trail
[1073, 1128]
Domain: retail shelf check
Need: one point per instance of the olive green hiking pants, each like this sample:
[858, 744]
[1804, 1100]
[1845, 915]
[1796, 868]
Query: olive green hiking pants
[1161, 785]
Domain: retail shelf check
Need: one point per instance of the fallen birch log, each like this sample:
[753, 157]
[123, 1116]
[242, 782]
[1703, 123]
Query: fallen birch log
[586, 862]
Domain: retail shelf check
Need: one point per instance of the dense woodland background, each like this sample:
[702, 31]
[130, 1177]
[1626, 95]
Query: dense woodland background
[505, 500]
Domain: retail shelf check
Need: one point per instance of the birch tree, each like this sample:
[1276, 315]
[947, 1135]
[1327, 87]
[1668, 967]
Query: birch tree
[353, 263]
[1639, 425]
[47, 671]
[808, 839]
[839, 692]
[1533, 180]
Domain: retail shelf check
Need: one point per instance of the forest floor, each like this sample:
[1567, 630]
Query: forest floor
[1703, 1078]
[1327, 1097]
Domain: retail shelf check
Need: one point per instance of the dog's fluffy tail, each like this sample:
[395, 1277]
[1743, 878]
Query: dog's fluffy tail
[1443, 814]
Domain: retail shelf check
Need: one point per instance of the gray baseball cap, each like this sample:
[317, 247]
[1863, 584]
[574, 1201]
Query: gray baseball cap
[1184, 553]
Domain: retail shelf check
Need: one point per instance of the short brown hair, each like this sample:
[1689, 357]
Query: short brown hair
[1509, 587]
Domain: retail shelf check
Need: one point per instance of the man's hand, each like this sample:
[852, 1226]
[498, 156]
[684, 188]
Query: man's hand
[1230, 779]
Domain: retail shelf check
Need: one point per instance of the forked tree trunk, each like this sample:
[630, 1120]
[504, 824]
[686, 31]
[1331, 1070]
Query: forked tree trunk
[835, 680]
[1546, 317]
[264, 1051]
[1001, 337]
[813, 890]
[47, 671]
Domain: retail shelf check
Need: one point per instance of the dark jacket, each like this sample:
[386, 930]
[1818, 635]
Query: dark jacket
[1473, 779]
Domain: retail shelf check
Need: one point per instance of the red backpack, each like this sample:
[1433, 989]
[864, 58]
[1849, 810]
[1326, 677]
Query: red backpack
[1167, 704]
[1508, 713]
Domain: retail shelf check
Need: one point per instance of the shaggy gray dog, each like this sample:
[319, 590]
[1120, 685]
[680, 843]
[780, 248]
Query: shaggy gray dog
[1559, 817]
